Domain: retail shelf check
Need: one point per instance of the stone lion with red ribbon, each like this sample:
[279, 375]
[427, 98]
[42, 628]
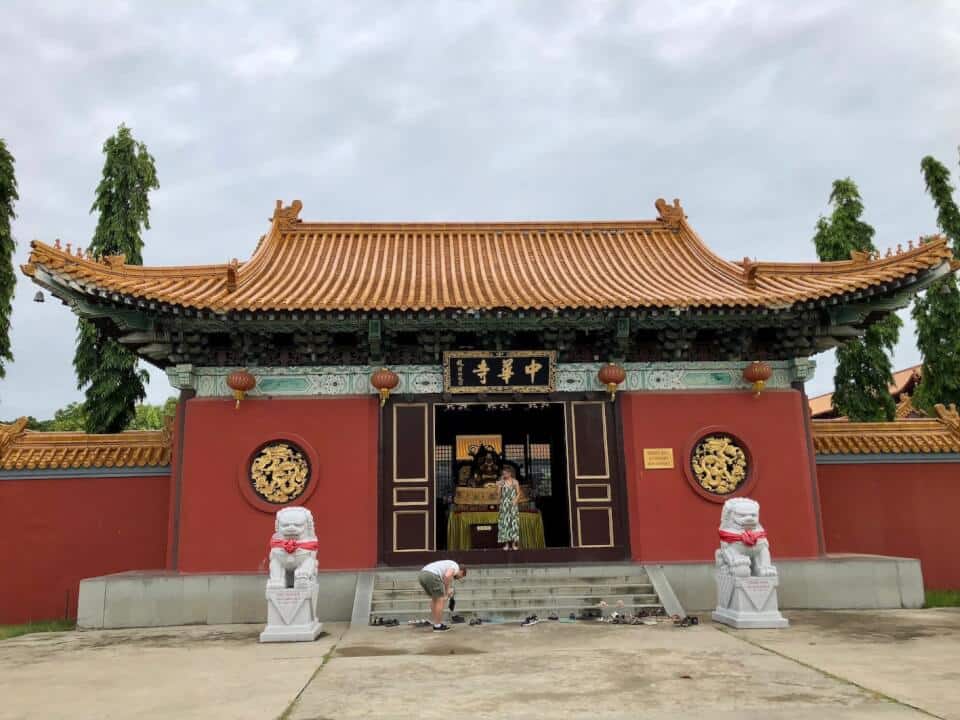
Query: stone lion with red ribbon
[293, 549]
[744, 548]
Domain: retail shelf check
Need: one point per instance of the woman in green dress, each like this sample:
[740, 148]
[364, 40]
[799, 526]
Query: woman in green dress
[508, 524]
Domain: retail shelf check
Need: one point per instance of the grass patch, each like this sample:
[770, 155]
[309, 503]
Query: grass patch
[942, 598]
[9, 631]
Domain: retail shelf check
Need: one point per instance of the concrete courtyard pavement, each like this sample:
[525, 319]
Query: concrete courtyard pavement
[888, 664]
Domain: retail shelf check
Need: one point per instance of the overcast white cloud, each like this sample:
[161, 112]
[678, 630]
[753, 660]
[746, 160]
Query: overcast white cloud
[746, 110]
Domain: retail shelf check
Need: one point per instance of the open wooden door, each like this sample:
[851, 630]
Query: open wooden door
[592, 471]
[408, 505]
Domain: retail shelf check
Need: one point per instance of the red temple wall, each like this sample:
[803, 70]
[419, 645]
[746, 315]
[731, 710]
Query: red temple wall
[669, 521]
[906, 510]
[220, 531]
[58, 531]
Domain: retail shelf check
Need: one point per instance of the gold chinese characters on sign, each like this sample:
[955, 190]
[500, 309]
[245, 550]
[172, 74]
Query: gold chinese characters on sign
[658, 458]
[506, 371]
[279, 472]
[719, 464]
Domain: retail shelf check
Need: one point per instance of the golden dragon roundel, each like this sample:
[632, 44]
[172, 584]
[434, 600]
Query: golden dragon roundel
[279, 472]
[719, 464]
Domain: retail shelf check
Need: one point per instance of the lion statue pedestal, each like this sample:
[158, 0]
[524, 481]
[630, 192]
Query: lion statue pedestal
[292, 586]
[746, 579]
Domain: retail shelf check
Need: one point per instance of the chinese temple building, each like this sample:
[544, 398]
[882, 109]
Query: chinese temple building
[384, 374]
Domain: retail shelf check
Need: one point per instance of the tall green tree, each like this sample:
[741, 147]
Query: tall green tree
[8, 279]
[864, 369]
[937, 311]
[114, 384]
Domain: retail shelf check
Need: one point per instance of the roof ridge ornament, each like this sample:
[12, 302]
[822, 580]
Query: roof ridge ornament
[287, 217]
[949, 416]
[671, 215]
[232, 275]
[750, 268]
[9, 433]
[115, 261]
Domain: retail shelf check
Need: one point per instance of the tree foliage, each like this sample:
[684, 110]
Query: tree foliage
[8, 279]
[114, 384]
[73, 418]
[937, 311]
[864, 369]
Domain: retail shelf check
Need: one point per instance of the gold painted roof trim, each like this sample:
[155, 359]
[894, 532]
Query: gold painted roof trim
[22, 449]
[658, 263]
[927, 435]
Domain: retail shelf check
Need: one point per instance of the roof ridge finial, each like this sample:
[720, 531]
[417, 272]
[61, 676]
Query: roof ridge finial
[949, 416]
[286, 217]
[8, 433]
[671, 215]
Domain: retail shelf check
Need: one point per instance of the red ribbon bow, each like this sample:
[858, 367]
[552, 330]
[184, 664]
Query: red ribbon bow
[747, 537]
[292, 546]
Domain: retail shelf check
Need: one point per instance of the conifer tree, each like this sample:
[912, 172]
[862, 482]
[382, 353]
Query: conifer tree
[114, 384]
[8, 279]
[864, 371]
[937, 311]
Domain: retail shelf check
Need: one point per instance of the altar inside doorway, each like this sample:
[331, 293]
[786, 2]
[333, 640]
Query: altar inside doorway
[473, 443]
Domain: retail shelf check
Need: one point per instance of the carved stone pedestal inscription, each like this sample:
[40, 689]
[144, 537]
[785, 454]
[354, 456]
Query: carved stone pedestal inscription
[292, 587]
[292, 615]
[746, 579]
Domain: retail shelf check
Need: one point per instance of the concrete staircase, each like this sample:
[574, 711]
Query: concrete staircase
[509, 593]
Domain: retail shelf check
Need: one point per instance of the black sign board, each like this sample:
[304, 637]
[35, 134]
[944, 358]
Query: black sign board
[508, 371]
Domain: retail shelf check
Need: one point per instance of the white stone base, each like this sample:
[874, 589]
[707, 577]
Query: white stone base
[292, 633]
[292, 615]
[748, 602]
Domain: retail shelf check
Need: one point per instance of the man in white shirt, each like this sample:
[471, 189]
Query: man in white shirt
[436, 579]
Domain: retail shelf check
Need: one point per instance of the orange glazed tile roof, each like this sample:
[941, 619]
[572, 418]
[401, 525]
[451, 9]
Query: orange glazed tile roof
[658, 263]
[933, 435]
[22, 449]
[902, 381]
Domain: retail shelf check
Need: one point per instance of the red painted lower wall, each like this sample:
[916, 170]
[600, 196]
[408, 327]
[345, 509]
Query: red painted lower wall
[669, 521]
[58, 531]
[906, 510]
[220, 531]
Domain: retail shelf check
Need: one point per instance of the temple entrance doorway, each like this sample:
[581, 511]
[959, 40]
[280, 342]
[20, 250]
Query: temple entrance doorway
[441, 459]
[472, 443]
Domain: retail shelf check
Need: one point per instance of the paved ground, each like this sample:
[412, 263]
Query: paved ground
[892, 664]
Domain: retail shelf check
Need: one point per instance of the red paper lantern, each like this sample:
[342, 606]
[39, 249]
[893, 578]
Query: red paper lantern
[611, 375]
[241, 382]
[757, 373]
[384, 381]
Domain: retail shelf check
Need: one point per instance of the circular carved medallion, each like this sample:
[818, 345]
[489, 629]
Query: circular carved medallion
[719, 464]
[279, 472]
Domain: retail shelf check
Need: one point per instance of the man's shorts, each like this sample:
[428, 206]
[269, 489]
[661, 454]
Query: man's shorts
[431, 583]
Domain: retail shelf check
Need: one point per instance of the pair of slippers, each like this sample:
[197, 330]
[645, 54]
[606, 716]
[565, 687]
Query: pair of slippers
[476, 621]
[531, 620]
[686, 621]
[385, 622]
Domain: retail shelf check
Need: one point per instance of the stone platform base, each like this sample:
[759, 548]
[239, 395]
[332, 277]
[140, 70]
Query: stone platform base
[153, 599]
[833, 582]
[158, 598]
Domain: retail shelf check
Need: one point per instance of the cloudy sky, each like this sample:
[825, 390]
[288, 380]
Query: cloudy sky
[483, 110]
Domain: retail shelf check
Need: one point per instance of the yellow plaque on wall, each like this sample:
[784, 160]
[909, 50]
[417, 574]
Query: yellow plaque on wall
[658, 458]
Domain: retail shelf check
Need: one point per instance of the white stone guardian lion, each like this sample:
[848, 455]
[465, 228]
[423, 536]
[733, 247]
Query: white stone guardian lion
[744, 548]
[293, 549]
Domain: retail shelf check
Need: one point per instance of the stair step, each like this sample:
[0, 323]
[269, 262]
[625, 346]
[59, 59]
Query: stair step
[559, 600]
[519, 580]
[542, 611]
[520, 591]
